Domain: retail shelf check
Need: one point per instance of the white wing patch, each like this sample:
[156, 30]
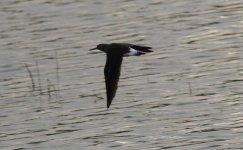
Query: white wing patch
[132, 52]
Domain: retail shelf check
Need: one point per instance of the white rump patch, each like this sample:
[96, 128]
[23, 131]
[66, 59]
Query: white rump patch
[132, 52]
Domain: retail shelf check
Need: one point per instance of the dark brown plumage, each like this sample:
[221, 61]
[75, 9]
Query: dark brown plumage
[115, 53]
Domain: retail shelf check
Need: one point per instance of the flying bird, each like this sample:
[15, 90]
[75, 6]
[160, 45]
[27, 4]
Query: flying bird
[114, 55]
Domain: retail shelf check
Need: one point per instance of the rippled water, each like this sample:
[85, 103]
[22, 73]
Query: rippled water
[185, 95]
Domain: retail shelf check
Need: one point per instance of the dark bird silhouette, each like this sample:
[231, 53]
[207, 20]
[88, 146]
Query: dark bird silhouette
[115, 53]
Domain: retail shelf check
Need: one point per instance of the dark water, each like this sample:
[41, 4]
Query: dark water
[186, 95]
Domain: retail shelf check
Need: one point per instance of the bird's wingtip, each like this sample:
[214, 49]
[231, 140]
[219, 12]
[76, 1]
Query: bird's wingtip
[108, 106]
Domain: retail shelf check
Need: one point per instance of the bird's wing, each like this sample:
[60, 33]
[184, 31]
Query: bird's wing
[112, 73]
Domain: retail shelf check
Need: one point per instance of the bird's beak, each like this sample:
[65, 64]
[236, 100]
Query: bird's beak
[93, 48]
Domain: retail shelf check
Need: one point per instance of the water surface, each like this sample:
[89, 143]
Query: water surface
[185, 95]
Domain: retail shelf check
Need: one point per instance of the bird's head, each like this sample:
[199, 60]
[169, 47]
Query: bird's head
[102, 47]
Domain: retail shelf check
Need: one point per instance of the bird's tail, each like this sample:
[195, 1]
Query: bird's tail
[134, 52]
[138, 53]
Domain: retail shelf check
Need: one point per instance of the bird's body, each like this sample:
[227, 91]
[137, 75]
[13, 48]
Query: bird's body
[115, 53]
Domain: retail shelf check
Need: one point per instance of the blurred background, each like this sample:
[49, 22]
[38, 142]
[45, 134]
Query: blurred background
[187, 94]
